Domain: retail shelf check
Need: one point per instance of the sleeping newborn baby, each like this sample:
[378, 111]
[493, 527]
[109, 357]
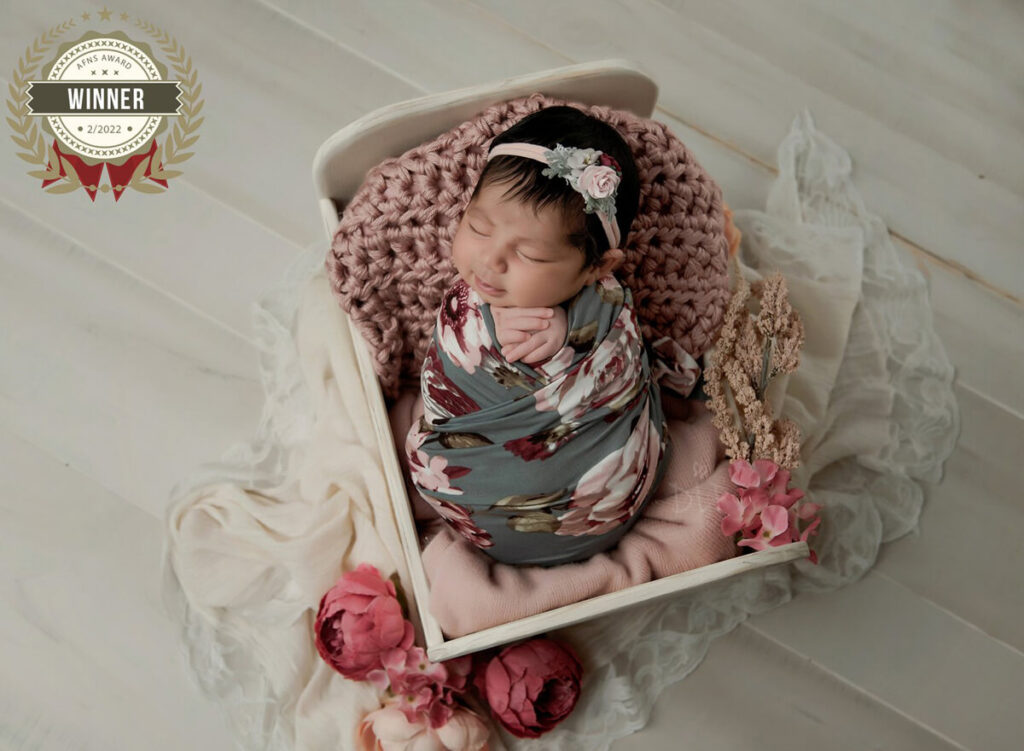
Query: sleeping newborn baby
[543, 435]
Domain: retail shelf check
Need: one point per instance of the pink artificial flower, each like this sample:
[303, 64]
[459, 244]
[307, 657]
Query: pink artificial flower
[599, 181]
[458, 670]
[418, 683]
[774, 529]
[807, 512]
[358, 621]
[531, 686]
[740, 515]
[812, 528]
[763, 511]
[421, 688]
[756, 475]
[780, 493]
[804, 513]
[389, 729]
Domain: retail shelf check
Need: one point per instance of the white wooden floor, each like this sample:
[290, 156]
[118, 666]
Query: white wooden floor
[127, 357]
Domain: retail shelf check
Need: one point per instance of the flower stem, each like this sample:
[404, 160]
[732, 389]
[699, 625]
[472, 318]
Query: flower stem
[766, 358]
[736, 417]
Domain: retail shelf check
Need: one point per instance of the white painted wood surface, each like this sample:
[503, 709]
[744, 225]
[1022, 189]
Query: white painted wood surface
[126, 355]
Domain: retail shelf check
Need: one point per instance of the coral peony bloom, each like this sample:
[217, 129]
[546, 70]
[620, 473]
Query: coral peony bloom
[359, 620]
[532, 686]
[388, 729]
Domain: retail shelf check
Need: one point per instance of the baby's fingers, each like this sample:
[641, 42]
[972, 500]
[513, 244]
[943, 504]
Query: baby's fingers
[543, 351]
[511, 336]
[516, 351]
[526, 319]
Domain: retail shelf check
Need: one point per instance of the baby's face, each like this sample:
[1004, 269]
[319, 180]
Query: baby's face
[516, 257]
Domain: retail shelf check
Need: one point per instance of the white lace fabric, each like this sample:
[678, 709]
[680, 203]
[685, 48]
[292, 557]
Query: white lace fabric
[254, 540]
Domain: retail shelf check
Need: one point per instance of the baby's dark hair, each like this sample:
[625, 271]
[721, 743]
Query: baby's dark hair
[570, 127]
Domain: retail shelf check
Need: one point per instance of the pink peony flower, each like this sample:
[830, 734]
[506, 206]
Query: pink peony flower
[599, 181]
[358, 621]
[388, 729]
[531, 686]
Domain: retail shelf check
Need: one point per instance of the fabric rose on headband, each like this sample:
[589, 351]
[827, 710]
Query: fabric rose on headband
[599, 181]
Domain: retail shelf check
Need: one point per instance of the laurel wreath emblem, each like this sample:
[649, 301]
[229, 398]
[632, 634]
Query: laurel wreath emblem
[28, 136]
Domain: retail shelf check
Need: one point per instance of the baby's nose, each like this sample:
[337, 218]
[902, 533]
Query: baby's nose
[495, 257]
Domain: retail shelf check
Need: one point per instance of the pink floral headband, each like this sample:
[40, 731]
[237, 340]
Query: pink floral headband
[591, 173]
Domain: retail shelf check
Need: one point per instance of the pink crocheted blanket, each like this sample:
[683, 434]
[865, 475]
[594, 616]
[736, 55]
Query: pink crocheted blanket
[390, 258]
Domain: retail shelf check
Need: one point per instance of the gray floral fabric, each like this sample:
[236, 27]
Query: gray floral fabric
[543, 464]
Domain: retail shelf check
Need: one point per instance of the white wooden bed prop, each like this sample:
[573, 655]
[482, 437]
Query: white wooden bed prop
[339, 168]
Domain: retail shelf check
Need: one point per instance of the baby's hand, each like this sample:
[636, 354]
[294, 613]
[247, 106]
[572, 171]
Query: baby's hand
[530, 334]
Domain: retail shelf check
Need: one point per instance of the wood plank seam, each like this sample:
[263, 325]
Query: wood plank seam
[295, 20]
[874, 571]
[128, 272]
[910, 244]
[990, 400]
[853, 687]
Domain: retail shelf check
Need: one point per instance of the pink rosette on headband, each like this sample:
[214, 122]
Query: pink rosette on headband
[599, 182]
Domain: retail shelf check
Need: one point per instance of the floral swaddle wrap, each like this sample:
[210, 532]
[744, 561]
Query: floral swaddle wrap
[547, 464]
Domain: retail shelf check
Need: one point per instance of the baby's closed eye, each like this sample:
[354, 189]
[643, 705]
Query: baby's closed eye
[523, 254]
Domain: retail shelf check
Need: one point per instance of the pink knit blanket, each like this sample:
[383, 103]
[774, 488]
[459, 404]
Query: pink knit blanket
[678, 531]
